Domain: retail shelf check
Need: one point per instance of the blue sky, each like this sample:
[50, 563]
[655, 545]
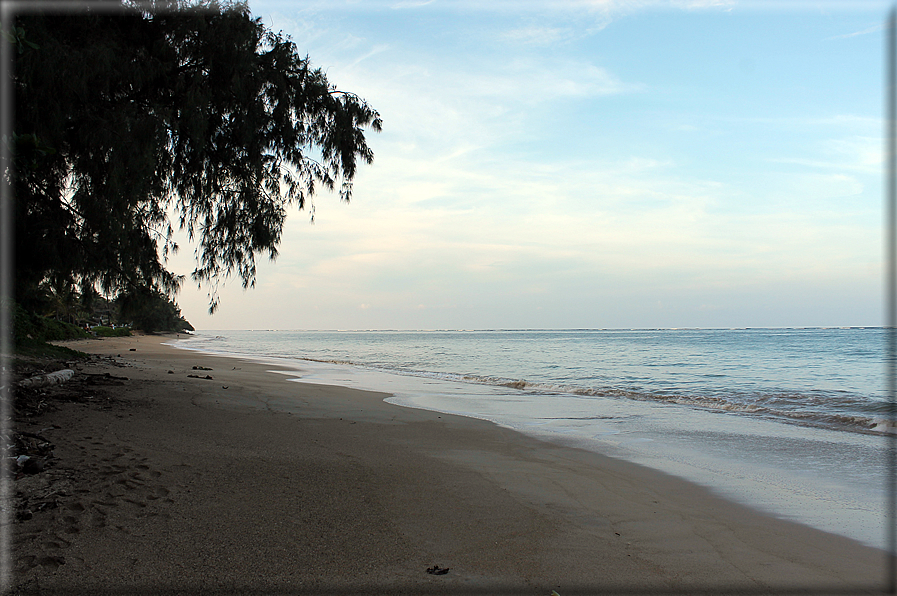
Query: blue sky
[588, 164]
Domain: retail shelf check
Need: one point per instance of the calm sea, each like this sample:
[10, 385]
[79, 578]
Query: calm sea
[792, 421]
[825, 377]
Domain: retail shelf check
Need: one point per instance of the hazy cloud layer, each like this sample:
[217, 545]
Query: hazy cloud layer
[588, 164]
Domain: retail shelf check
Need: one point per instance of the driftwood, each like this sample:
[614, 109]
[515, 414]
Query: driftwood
[53, 378]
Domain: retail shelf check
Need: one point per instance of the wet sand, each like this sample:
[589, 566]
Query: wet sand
[249, 483]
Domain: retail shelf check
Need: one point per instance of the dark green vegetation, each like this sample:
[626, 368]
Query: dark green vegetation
[142, 309]
[29, 349]
[31, 326]
[104, 331]
[132, 124]
[32, 332]
[150, 311]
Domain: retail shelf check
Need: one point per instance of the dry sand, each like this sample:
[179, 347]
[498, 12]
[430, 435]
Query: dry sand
[249, 483]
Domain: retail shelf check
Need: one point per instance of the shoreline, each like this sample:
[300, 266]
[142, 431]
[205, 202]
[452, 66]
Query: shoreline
[249, 481]
[821, 477]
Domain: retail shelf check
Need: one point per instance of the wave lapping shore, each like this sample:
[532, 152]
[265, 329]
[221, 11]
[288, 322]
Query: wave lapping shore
[823, 377]
[194, 473]
[789, 421]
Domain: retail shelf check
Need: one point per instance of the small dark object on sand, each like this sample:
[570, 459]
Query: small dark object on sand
[30, 465]
[437, 570]
[132, 349]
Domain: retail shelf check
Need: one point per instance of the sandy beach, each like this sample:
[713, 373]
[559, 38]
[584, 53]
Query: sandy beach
[164, 481]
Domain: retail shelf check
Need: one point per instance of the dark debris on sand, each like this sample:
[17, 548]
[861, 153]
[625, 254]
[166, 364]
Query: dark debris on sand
[29, 452]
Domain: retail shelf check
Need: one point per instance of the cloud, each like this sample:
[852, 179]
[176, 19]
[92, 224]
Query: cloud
[703, 4]
[539, 36]
[866, 122]
[872, 29]
[794, 6]
[459, 232]
[856, 153]
[377, 49]
[442, 107]
[411, 4]
[515, 172]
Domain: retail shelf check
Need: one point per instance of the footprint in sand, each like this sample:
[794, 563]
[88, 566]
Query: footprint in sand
[52, 562]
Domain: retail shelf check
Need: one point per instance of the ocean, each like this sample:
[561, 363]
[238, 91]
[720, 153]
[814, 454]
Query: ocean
[793, 422]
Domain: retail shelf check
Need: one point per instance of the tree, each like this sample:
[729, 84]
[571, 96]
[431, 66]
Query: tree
[128, 125]
[151, 312]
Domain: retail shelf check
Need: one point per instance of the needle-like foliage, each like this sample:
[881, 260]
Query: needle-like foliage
[129, 125]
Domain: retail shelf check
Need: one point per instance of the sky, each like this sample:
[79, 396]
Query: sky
[587, 164]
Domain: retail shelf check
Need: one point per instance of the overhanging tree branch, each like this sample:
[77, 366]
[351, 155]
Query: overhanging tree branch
[205, 111]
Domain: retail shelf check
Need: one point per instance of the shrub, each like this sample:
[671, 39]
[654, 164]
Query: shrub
[28, 325]
[103, 331]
